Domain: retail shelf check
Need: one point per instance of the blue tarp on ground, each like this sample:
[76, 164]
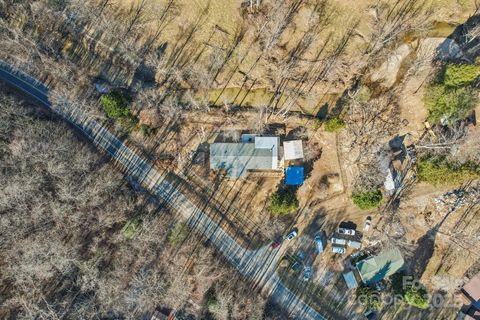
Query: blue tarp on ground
[294, 176]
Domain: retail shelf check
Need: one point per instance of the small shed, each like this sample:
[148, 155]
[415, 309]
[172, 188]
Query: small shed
[294, 176]
[293, 149]
[350, 280]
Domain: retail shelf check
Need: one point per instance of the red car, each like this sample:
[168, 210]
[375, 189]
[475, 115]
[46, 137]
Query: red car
[275, 244]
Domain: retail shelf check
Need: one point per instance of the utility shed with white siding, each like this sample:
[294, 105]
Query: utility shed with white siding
[293, 149]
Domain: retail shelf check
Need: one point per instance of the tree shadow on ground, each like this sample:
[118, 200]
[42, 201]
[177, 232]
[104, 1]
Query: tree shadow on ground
[317, 224]
[470, 46]
[423, 253]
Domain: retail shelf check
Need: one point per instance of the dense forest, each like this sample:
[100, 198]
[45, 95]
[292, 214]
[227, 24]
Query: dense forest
[65, 253]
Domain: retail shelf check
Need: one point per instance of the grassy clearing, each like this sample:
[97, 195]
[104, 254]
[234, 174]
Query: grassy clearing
[178, 234]
[131, 228]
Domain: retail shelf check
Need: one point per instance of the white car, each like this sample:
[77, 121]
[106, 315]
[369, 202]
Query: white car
[292, 234]
[346, 231]
[366, 226]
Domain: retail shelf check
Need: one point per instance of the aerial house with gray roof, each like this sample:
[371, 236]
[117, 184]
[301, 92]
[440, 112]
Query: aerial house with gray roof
[251, 153]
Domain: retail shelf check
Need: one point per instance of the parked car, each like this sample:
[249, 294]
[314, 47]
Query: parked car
[338, 249]
[367, 224]
[292, 234]
[307, 274]
[276, 244]
[346, 231]
[339, 241]
[319, 243]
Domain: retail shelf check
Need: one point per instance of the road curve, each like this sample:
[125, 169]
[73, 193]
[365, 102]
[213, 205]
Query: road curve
[256, 265]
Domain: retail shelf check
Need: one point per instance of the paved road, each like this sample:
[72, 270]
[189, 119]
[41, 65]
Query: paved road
[256, 265]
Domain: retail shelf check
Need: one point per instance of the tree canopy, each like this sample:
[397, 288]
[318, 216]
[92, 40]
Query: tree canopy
[282, 202]
[460, 75]
[451, 103]
[334, 124]
[452, 97]
[369, 298]
[416, 297]
[115, 104]
[367, 199]
[441, 171]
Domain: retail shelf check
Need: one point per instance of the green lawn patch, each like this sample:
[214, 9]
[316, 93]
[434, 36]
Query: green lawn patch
[131, 228]
[178, 234]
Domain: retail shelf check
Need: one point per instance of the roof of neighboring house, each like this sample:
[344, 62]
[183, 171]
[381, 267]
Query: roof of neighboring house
[472, 289]
[294, 176]
[157, 315]
[293, 149]
[376, 268]
[238, 158]
[350, 280]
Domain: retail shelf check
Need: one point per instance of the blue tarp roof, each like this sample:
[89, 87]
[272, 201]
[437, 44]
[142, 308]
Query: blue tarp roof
[294, 176]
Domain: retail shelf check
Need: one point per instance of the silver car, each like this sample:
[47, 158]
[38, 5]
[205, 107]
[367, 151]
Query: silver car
[319, 243]
[292, 234]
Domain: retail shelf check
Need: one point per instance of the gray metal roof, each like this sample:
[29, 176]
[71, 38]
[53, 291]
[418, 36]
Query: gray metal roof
[237, 158]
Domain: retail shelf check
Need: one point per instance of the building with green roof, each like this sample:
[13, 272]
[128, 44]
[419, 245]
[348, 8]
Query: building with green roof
[377, 268]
